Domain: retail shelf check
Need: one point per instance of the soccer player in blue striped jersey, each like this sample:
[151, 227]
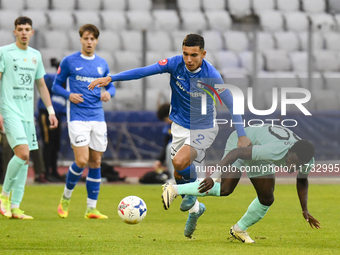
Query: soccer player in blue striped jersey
[193, 132]
[85, 116]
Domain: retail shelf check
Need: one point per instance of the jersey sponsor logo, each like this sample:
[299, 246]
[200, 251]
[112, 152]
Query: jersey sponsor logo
[27, 69]
[100, 70]
[193, 94]
[79, 68]
[59, 70]
[80, 139]
[163, 62]
[179, 78]
[25, 97]
[85, 79]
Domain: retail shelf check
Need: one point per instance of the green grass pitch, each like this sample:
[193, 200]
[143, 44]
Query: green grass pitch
[282, 231]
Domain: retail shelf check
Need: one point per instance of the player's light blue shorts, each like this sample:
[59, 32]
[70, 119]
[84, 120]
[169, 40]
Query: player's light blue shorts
[20, 132]
[251, 167]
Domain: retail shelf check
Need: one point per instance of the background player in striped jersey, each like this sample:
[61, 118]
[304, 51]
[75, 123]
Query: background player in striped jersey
[20, 67]
[85, 116]
[272, 146]
[192, 131]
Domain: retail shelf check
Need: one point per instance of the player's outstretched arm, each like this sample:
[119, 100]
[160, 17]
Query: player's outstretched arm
[228, 160]
[100, 82]
[302, 189]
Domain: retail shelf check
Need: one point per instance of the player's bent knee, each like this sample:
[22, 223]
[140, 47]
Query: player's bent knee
[179, 164]
[81, 162]
[268, 201]
[226, 191]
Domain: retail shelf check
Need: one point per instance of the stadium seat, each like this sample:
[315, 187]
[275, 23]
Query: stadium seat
[153, 57]
[332, 40]
[109, 41]
[132, 40]
[218, 20]
[247, 61]
[63, 4]
[337, 19]
[239, 8]
[158, 41]
[37, 4]
[61, 19]
[286, 79]
[277, 60]
[265, 41]
[296, 21]
[124, 95]
[287, 41]
[6, 18]
[6, 36]
[271, 20]
[212, 40]
[93, 5]
[74, 37]
[178, 37]
[108, 57]
[236, 41]
[326, 100]
[332, 80]
[189, 5]
[13, 5]
[139, 20]
[322, 21]
[126, 60]
[288, 5]
[314, 6]
[317, 41]
[113, 20]
[236, 76]
[317, 82]
[167, 20]
[47, 54]
[114, 5]
[226, 59]
[210, 57]
[158, 81]
[193, 21]
[57, 39]
[213, 5]
[38, 17]
[299, 61]
[87, 17]
[139, 5]
[263, 5]
[326, 61]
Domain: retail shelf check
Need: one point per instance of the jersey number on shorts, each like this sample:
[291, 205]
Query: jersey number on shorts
[200, 137]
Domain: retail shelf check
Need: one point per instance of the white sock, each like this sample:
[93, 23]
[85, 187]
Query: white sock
[5, 194]
[91, 203]
[237, 228]
[68, 193]
[13, 206]
[175, 188]
[195, 208]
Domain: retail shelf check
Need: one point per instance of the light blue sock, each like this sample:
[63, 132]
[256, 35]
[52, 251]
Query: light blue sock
[93, 183]
[11, 176]
[189, 173]
[255, 213]
[73, 176]
[19, 186]
[192, 189]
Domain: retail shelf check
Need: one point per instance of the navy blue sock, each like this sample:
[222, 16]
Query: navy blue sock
[93, 183]
[73, 176]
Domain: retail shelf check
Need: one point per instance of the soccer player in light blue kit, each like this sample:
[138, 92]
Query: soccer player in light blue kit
[272, 146]
[20, 67]
[85, 116]
[192, 78]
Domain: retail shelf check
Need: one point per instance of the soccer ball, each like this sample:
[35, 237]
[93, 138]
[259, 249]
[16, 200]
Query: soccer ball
[132, 209]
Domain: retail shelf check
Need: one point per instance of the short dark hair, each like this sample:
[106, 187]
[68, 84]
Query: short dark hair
[23, 20]
[192, 40]
[304, 150]
[163, 111]
[89, 28]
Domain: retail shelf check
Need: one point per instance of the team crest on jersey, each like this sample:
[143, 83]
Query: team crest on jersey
[100, 70]
[163, 62]
[34, 60]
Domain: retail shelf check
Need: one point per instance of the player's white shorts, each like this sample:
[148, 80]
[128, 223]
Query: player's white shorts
[200, 139]
[92, 133]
